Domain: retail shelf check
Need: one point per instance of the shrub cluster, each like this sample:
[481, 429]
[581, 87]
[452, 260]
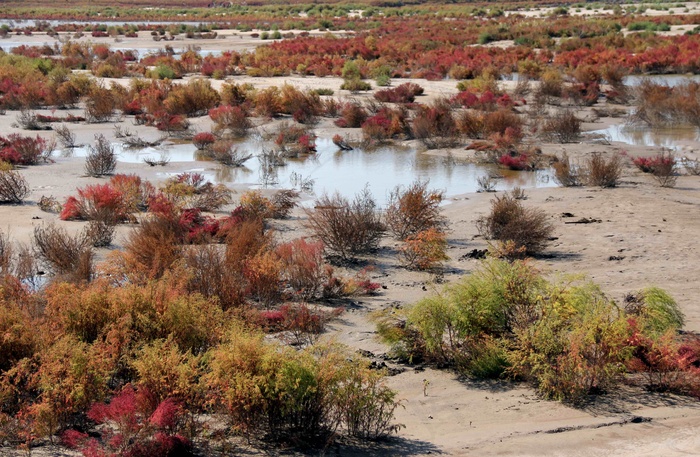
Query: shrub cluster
[568, 338]
[24, 150]
[404, 93]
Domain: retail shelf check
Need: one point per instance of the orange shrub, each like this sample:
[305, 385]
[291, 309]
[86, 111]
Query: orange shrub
[424, 250]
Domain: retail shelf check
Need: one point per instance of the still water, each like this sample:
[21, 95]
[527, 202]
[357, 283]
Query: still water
[347, 172]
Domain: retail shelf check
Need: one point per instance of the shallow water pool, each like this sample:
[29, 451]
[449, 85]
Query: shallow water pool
[644, 136]
[347, 172]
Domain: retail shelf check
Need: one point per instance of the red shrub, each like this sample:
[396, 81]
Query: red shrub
[73, 439]
[96, 202]
[272, 320]
[197, 228]
[166, 414]
[131, 431]
[517, 162]
[170, 122]
[71, 210]
[405, 93]
[377, 127]
[352, 115]
[10, 155]
[203, 139]
[649, 164]
[304, 323]
[22, 150]
[233, 119]
[132, 108]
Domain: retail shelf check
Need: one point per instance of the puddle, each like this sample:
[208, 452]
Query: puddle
[348, 172]
[669, 80]
[331, 170]
[173, 152]
[644, 136]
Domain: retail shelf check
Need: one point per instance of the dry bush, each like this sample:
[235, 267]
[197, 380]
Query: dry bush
[346, 228]
[211, 275]
[192, 190]
[68, 256]
[471, 124]
[283, 202]
[509, 220]
[303, 267]
[665, 170]
[101, 159]
[567, 174]
[486, 183]
[497, 122]
[65, 136]
[100, 105]
[603, 173]
[100, 232]
[659, 105]
[268, 103]
[152, 248]
[226, 152]
[692, 167]
[562, 127]
[245, 240]
[413, 210]
[352, 115]
[13, 187]
[435, 125]
[304, 107]
[28, 120]
[230, 120]
[293, 139]
[263, 274]
[255, 206]
[551, 86]
[192, 99]
[235, 94]
[5, 254]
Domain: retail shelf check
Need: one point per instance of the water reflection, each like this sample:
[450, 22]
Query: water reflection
[669, 80]
[644, 136]
[347, 172]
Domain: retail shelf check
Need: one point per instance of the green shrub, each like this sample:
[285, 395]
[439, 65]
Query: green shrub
[456, 326]
[164, 72]
[656, 311]
[578, 347]
[302, 396]
[567, 338]
[355, 85]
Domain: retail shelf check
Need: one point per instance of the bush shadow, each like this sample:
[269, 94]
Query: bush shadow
[629, 399]
[392, 446]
